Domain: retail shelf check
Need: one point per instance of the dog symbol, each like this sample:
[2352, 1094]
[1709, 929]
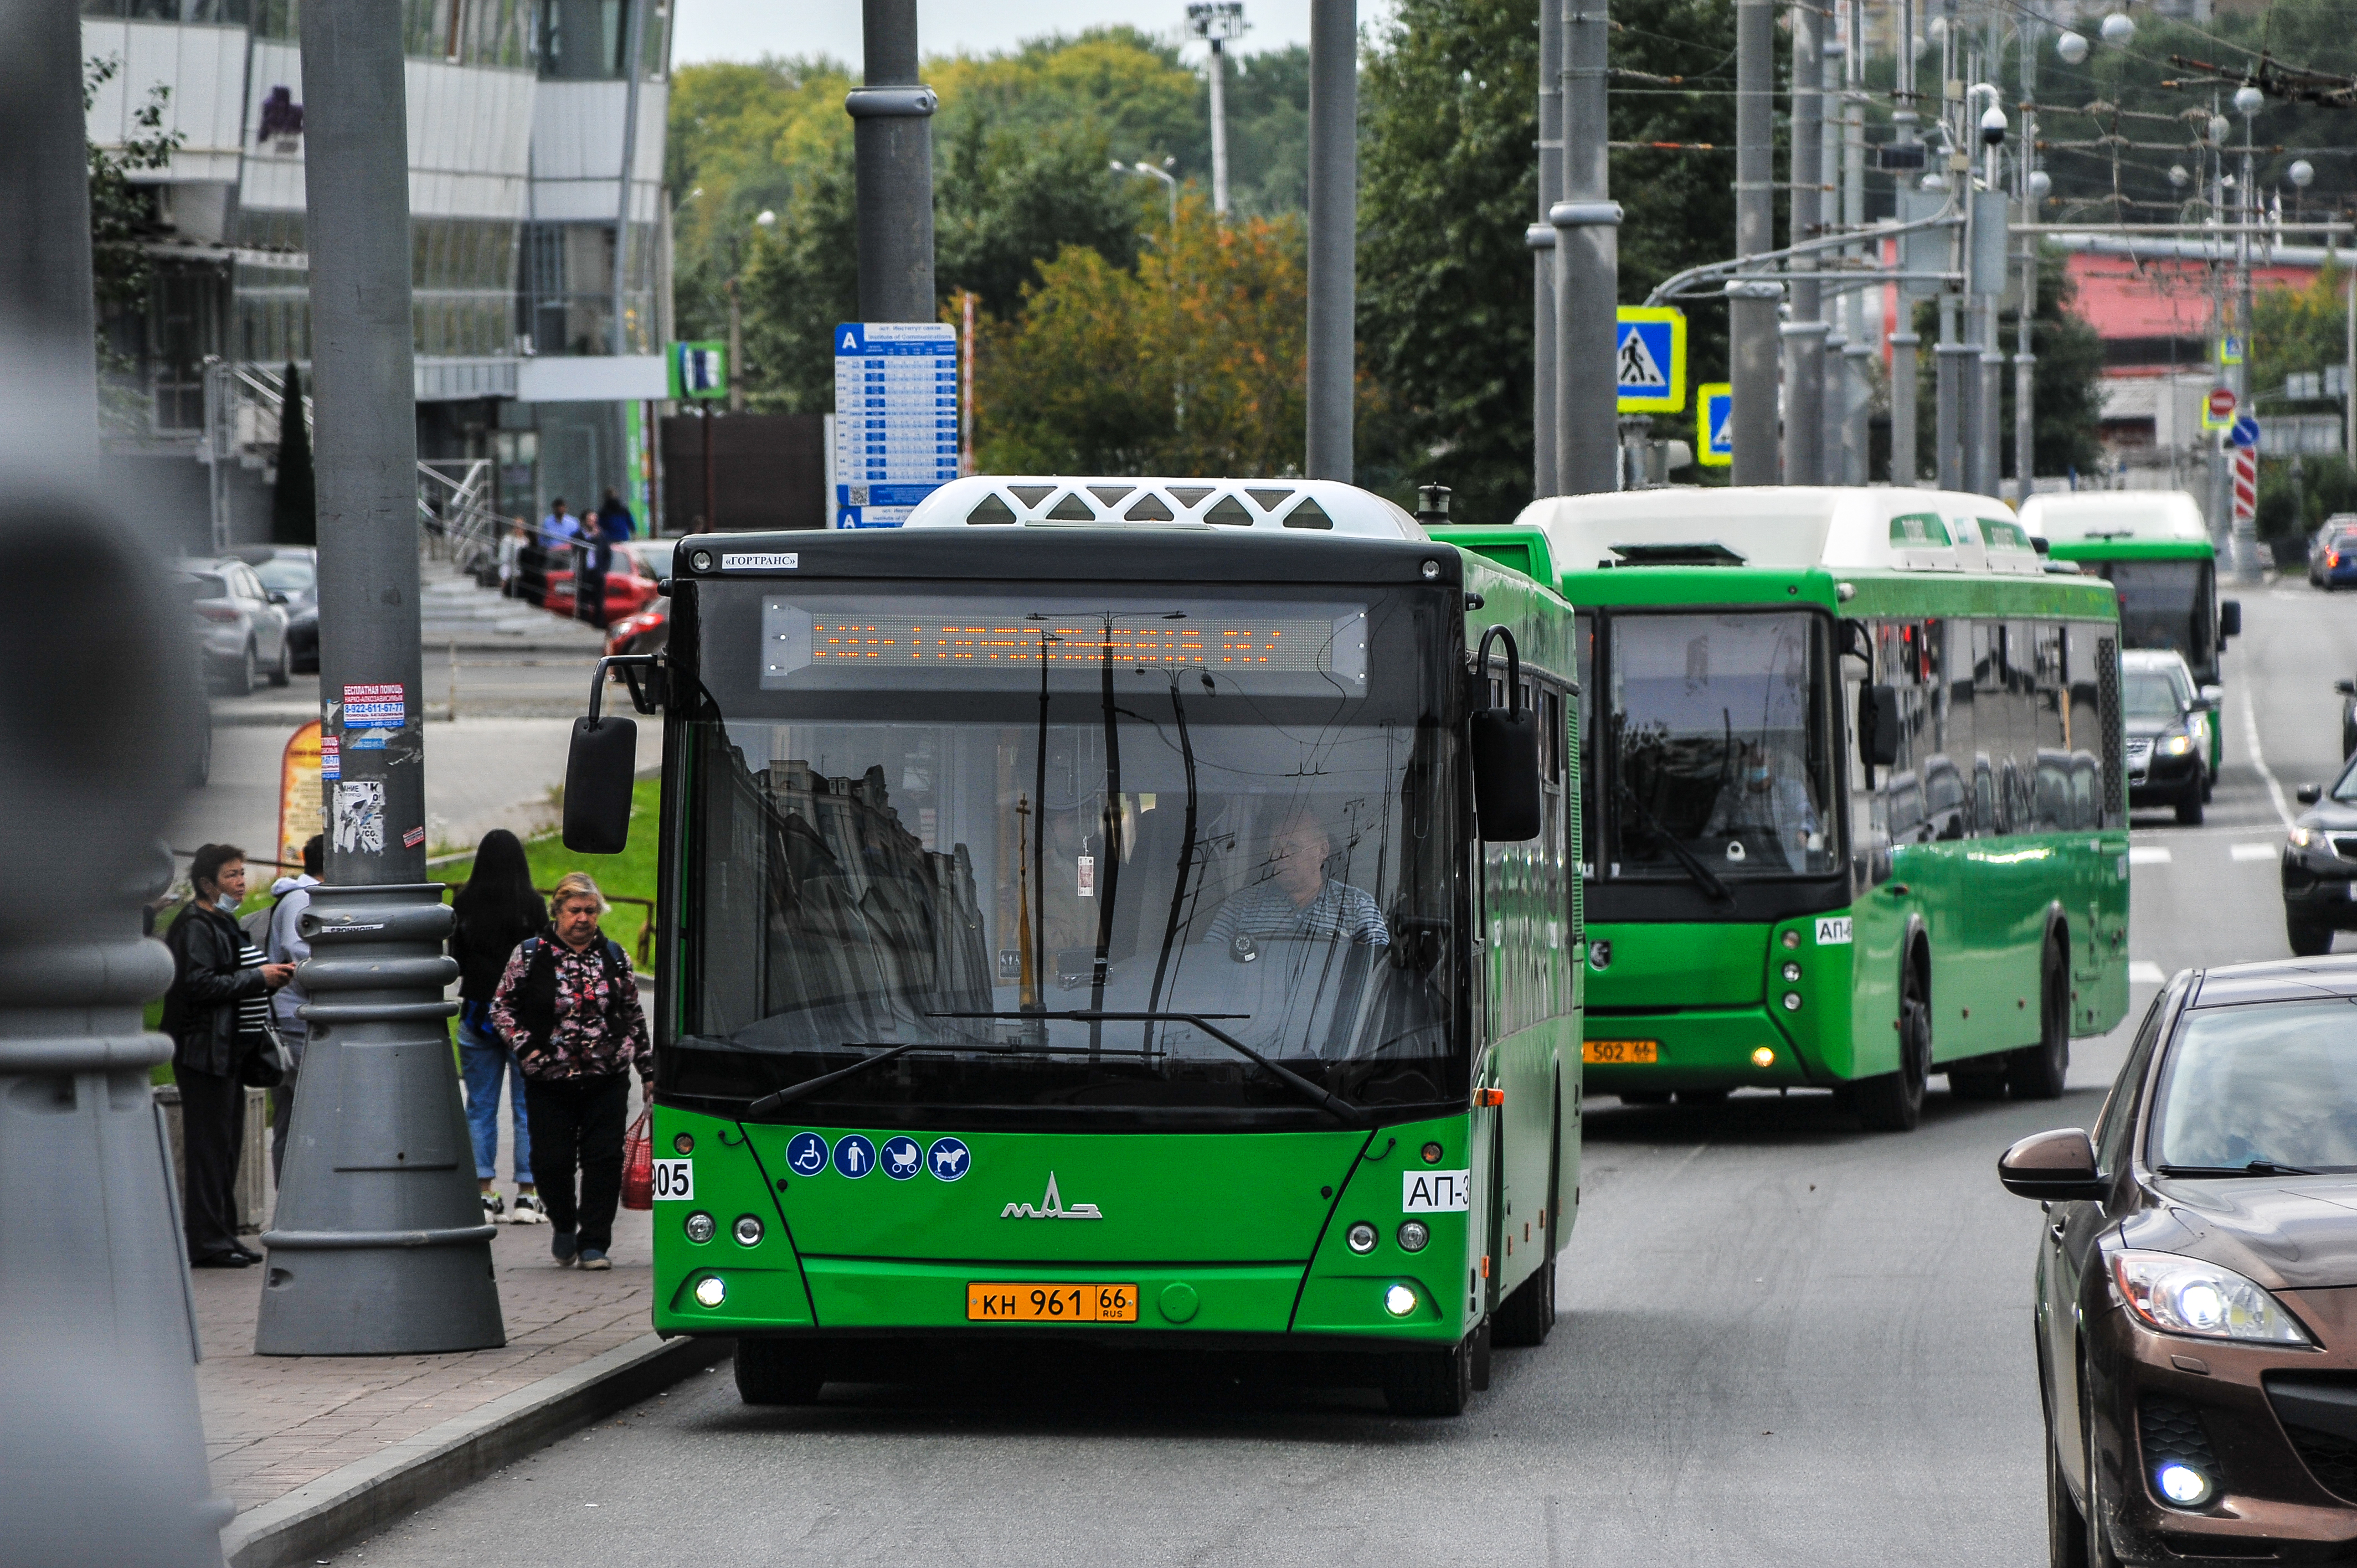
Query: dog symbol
[948, 1160]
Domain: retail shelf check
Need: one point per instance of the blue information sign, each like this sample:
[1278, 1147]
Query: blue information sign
[1650, 358]
[2245, 431]
[896, 418]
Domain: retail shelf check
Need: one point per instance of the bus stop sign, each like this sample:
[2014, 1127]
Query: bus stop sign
[1714, 433]
[1650, 362]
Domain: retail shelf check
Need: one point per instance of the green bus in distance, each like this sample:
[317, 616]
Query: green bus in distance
[1854, 803]
[1115, 909]
[2152, 547]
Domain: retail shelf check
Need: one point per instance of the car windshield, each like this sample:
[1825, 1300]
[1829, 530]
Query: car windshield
[1179, 805]
[1718, 729]
[286, 574]
[2148, 695]
[2272, 1085]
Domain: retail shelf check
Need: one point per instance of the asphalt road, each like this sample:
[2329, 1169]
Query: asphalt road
[1783, 1341]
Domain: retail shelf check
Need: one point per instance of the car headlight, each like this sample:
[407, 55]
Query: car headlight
[2305, 838]
[2184, 1295]
[2175, 745]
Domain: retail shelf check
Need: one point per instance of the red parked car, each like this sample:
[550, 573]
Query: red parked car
[648, 631]
[640, 566]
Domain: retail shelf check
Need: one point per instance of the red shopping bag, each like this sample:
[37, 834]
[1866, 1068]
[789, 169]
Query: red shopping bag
[639, 1165]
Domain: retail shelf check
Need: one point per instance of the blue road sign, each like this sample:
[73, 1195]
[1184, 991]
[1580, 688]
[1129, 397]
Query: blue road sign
[896, 418]
[2245, 431]
[855, 1156]
[1650, 361]
[1714, 413]
[806, 1153]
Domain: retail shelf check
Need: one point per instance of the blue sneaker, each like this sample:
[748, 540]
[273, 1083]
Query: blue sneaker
[563, 1246]
[595, 1258]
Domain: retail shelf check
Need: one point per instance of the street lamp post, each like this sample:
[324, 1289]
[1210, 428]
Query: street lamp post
[1169, 182]
[1217, 24]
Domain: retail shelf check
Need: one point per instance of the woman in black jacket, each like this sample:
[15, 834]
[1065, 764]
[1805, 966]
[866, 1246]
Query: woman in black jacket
[218, 1013]
[496, 910]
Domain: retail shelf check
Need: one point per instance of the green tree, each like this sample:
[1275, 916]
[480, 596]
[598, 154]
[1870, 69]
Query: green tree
[1191, 365]
[1447, 183]
[122, 219]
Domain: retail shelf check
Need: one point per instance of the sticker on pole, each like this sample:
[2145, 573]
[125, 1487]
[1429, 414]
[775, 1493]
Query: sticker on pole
[1650, 361]
[359, 816]
[1715, 424]
[2218, 409]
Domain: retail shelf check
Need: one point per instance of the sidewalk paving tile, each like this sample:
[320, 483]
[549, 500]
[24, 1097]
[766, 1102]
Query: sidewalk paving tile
[276, 1422]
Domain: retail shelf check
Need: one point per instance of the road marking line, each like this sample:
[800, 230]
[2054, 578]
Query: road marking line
[2253, 851]
[2144, 971]
[2148, 854]
[2259, 761]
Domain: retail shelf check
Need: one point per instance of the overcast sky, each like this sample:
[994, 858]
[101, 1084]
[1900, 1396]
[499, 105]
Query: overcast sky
[747, 29]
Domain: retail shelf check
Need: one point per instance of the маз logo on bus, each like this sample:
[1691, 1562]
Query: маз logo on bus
[1051, 1206]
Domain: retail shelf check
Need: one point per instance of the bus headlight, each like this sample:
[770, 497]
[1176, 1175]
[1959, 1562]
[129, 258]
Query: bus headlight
[1361, 1237]
[1792, 1002]
[1399, 1301]
[747, 1230]
[710, 1292]
[1792, 974]
[1414, 1237]
[700, 1226]
[1763, 1057]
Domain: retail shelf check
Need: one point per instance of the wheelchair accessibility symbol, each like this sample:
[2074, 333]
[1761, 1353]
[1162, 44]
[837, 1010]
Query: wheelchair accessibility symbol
[806, 1153]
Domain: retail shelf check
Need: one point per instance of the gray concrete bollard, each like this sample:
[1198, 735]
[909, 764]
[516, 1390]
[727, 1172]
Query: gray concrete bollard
[379, 1245]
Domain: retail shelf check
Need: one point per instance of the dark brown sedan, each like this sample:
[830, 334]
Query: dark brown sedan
[2196, 1284]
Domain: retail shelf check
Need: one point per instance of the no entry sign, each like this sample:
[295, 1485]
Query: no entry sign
[2220, 410]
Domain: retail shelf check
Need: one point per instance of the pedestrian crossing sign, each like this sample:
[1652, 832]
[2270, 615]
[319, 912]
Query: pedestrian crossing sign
[1649, 360]
[2230, 349]
[1714, 428]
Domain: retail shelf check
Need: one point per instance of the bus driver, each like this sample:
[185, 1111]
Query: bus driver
[1759, 802]
[1299, 899]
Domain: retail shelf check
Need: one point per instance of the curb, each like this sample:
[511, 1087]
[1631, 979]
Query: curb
[442, 1459]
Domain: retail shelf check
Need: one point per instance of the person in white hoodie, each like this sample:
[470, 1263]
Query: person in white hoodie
[287, 945]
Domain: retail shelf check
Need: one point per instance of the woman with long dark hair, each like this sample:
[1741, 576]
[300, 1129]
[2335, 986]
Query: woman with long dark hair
[496, 910]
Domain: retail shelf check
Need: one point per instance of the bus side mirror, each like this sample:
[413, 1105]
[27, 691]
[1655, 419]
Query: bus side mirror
[598, 773]
[2057, 1166]
[1878, 722]
[1505, 747]
[2230, 618]
[603, 765]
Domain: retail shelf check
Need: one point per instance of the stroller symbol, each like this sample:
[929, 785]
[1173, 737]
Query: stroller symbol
[903, 1158]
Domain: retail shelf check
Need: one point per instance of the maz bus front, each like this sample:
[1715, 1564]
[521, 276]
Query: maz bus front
[1077, 926]
[1854, 817]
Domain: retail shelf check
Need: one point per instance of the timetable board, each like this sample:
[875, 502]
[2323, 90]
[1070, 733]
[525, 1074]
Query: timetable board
[896, 418]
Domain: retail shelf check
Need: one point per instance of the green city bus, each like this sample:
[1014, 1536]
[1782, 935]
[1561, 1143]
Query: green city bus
[2152, 547]
[1076, 922]
[1853, 808]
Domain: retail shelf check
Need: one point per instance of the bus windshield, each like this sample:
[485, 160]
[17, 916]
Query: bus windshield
[2164, 604]
[1721, 763]
[1238, 809]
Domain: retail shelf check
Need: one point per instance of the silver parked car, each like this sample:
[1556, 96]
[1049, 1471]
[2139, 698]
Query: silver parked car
[240, 625]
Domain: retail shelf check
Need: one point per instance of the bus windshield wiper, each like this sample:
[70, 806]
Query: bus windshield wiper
[1685, 857]
[2254, 1168]
[1343, 1111]
[810, 1086]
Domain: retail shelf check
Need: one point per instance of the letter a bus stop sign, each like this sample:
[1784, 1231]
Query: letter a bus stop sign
[1714, 435]
[1650, 362]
